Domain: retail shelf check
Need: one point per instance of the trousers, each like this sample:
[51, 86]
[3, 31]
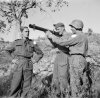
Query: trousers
[22, 78]
[77, 77]
[61, 74]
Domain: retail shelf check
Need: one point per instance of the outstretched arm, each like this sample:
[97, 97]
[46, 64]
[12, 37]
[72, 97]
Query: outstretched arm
[63, 41]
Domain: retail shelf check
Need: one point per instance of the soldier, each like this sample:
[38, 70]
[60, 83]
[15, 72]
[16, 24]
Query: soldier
[22, 50]
[60, 72]
[78, 46]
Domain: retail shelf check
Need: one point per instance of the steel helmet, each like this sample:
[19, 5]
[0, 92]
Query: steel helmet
[78, 24]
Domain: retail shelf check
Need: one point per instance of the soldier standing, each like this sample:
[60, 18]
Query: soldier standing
[78, 46]
[60, 79]
[22, 50]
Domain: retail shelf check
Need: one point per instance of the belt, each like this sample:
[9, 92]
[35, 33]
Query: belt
[78, 54]
[62, 52]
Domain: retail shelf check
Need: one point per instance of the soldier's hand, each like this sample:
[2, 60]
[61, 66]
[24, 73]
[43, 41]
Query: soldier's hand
[14, 61]
[49, 34]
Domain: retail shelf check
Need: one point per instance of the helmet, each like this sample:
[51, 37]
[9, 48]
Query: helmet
[78, 24]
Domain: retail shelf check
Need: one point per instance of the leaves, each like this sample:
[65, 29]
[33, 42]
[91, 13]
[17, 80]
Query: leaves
[15, 9]
[2, 26]
[53, 5]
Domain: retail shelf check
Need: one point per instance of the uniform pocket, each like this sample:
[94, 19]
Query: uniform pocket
[18, 47]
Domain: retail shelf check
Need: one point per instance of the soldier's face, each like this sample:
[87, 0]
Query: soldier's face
[73, 30]
[25, 33]
[60, 30]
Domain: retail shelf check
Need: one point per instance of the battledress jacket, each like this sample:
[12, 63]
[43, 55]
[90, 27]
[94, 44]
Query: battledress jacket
[23, 48]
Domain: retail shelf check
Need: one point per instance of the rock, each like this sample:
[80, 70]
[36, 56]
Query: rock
[1, 73]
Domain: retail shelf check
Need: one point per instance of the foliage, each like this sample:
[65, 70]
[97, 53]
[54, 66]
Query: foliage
[16, 9]
[54, 5]
[5, 85]
[2, 26]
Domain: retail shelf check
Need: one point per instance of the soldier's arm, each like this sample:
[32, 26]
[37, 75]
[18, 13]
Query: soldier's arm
[53, 43]
[39, 53]
[64, 41]
[11, 47]
[9, 50]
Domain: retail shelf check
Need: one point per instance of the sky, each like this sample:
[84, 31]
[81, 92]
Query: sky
[86, 10]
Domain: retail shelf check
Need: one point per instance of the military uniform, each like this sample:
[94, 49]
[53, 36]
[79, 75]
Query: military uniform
[22, 50]
[60, 79]
[78, 47]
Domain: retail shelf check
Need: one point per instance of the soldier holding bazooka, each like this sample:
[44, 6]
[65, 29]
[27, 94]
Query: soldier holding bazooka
[77, 43]
[60, 81]
[78, 46]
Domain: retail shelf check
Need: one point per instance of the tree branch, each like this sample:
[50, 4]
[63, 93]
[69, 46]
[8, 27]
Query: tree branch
[30, 5]
[5, 13]
[26, 7]
[13, 9]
